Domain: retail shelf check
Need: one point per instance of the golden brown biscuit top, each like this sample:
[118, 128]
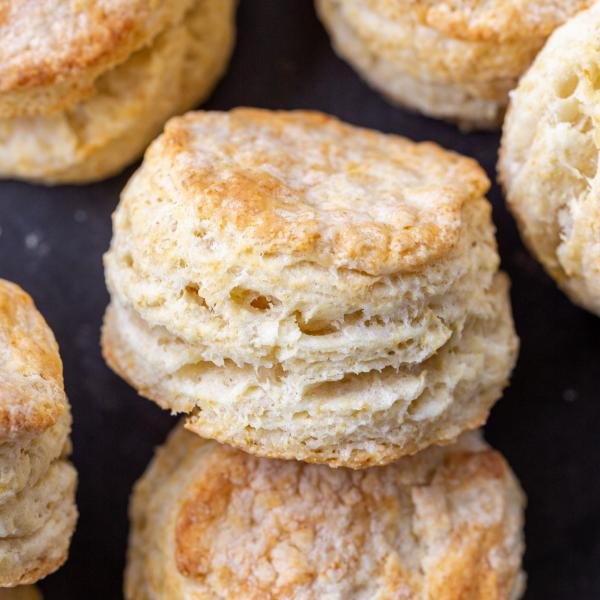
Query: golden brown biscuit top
[430, 526]
[48, 41]
[307, 185]
[32, 396]
[477, 20]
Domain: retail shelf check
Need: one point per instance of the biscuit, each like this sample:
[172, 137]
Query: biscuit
[27, 592]
[302, 288]
[84, 101]
[451, 59]
[549, 159]
[213, 522]
[37, 483]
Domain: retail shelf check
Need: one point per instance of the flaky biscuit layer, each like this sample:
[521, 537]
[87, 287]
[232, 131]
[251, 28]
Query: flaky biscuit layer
[36, 528]
[549, 159]
[342, 419]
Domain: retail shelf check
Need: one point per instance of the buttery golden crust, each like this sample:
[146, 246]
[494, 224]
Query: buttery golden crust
[479, 20]
[32, 397]
[311, 202]
[454, 59]
[209, 521]
[44, 69]
[93, 137]
[549, 158]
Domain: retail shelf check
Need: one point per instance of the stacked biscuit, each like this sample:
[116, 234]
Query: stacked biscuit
[81, 99]
[37, 483]
[304, 289]
[453, 59]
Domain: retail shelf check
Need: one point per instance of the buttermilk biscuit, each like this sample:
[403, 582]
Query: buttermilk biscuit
[306, 289]
[453, 59]
[81, 99]
[209, 521]
[549, 158]
[37, 484]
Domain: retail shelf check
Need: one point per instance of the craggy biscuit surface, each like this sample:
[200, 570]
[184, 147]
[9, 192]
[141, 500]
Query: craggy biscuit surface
[37, 484]
[549, 158]
[454, 59]
[209, 521]
[302, 288]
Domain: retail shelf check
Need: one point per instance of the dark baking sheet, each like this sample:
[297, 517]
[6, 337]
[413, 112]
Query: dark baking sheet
[547, 424]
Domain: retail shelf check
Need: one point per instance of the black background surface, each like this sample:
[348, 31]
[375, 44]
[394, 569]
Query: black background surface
[547, 424]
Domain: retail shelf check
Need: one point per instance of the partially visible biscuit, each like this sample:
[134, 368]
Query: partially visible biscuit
[210, 521]
[453, 59]
[44, 69]
[106, 90]
[549, 158]
[302, 288]
[25, 559]
[37, 484]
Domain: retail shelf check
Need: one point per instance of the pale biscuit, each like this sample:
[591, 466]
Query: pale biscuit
[302, 288]
[151, 66]
[549, 158]
[452, 59]
[37, 484]
[209, 521]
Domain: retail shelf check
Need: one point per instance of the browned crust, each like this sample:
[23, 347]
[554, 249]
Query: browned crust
[32, 396]
[478, 21]
[274, 215]
[462, 572]
[454, 518]
[97, 36]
